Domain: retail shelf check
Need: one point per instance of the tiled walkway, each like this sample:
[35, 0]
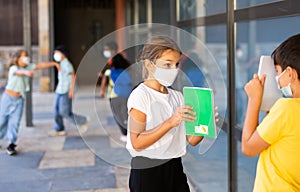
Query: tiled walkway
[96, 161]
[68, 163]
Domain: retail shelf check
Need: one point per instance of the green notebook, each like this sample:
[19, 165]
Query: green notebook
[202, 101]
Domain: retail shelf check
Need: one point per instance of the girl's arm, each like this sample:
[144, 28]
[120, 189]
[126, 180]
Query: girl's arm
[142, 138]
[194, 140]
[28, 73]
[47, 65]
[72, 85]
[252, 143]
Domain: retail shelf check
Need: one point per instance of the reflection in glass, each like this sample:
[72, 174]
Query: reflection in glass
[248, 3]
[211, 165]
[190, 9]
[256, 38]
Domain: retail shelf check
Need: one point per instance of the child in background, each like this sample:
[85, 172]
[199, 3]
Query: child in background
[116, 64]
[156, 138]
[64, 95]
[277, 138]
[12, 101]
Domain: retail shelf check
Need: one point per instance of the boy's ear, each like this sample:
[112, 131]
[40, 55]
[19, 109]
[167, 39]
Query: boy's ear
[293, 75]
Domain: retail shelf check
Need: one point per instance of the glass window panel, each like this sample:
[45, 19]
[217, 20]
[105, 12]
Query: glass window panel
[142, 12]
[251, 44]
[249, 3]
[190, 9]
[256, 38]
[160, 11]
[208, 169]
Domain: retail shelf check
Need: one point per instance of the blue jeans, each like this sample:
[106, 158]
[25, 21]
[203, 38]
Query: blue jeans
[10, 116]
[63, 109]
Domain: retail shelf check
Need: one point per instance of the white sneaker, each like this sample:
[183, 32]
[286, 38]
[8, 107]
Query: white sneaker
[57, 133]
[83, 128]
[123, 138]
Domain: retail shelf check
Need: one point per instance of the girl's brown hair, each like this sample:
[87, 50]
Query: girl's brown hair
[15, 57]
[155, 47]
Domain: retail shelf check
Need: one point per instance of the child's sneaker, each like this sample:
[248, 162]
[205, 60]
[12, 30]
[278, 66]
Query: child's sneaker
[83, 128]
[123, 138]
[57, 133]
[11, 149]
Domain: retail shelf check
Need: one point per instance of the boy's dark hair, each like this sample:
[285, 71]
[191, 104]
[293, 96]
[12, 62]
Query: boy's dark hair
[112, 45]
[63, 49]
[288, 54]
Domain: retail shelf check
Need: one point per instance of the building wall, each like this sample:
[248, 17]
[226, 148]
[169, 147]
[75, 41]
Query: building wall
[79, 27]
[11, 19]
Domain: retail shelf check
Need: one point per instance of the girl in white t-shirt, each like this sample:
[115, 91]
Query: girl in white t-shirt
[157, 139]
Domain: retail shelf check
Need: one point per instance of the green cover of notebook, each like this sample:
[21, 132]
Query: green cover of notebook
[202, 101]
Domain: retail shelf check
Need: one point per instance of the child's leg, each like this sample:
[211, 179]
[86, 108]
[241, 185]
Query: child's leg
[14, 120]
[4, 115]
[3, 126]
[58, 118]
[65, 110]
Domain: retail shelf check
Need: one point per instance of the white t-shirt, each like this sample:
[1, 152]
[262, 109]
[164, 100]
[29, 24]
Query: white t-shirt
[158, 107]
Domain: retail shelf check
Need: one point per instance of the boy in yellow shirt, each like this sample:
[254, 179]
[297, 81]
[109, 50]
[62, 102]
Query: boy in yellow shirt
[277, 137]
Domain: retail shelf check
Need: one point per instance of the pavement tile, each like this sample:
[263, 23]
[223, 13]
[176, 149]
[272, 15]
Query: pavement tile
[42, 144]
[36, 138]
[83, 178]
[100, 145]
[79, 191]
[26, 186]
[116, 157]
[20, 160]
[67, 158]
[69, 163]
[19, 173]
[122, 177]
[75, 142]
[113, 190]
[115, 141]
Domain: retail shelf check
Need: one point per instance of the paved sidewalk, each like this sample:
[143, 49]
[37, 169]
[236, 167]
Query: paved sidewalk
[97, 160]
[63, 163]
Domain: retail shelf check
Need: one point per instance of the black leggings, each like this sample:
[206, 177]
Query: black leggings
[164, 177]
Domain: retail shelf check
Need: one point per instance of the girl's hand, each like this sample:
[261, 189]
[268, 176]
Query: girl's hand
[183, 113]
[255, 87]
[71, 94]
[102, 94]
[216, 114]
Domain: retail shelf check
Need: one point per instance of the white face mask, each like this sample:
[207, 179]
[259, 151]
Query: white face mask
[57, 57]
[26, 60]
[107, 54]
[165, 77]
[286, 91]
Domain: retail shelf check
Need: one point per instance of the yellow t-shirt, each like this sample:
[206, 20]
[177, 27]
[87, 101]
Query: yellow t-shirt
[278, 167]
